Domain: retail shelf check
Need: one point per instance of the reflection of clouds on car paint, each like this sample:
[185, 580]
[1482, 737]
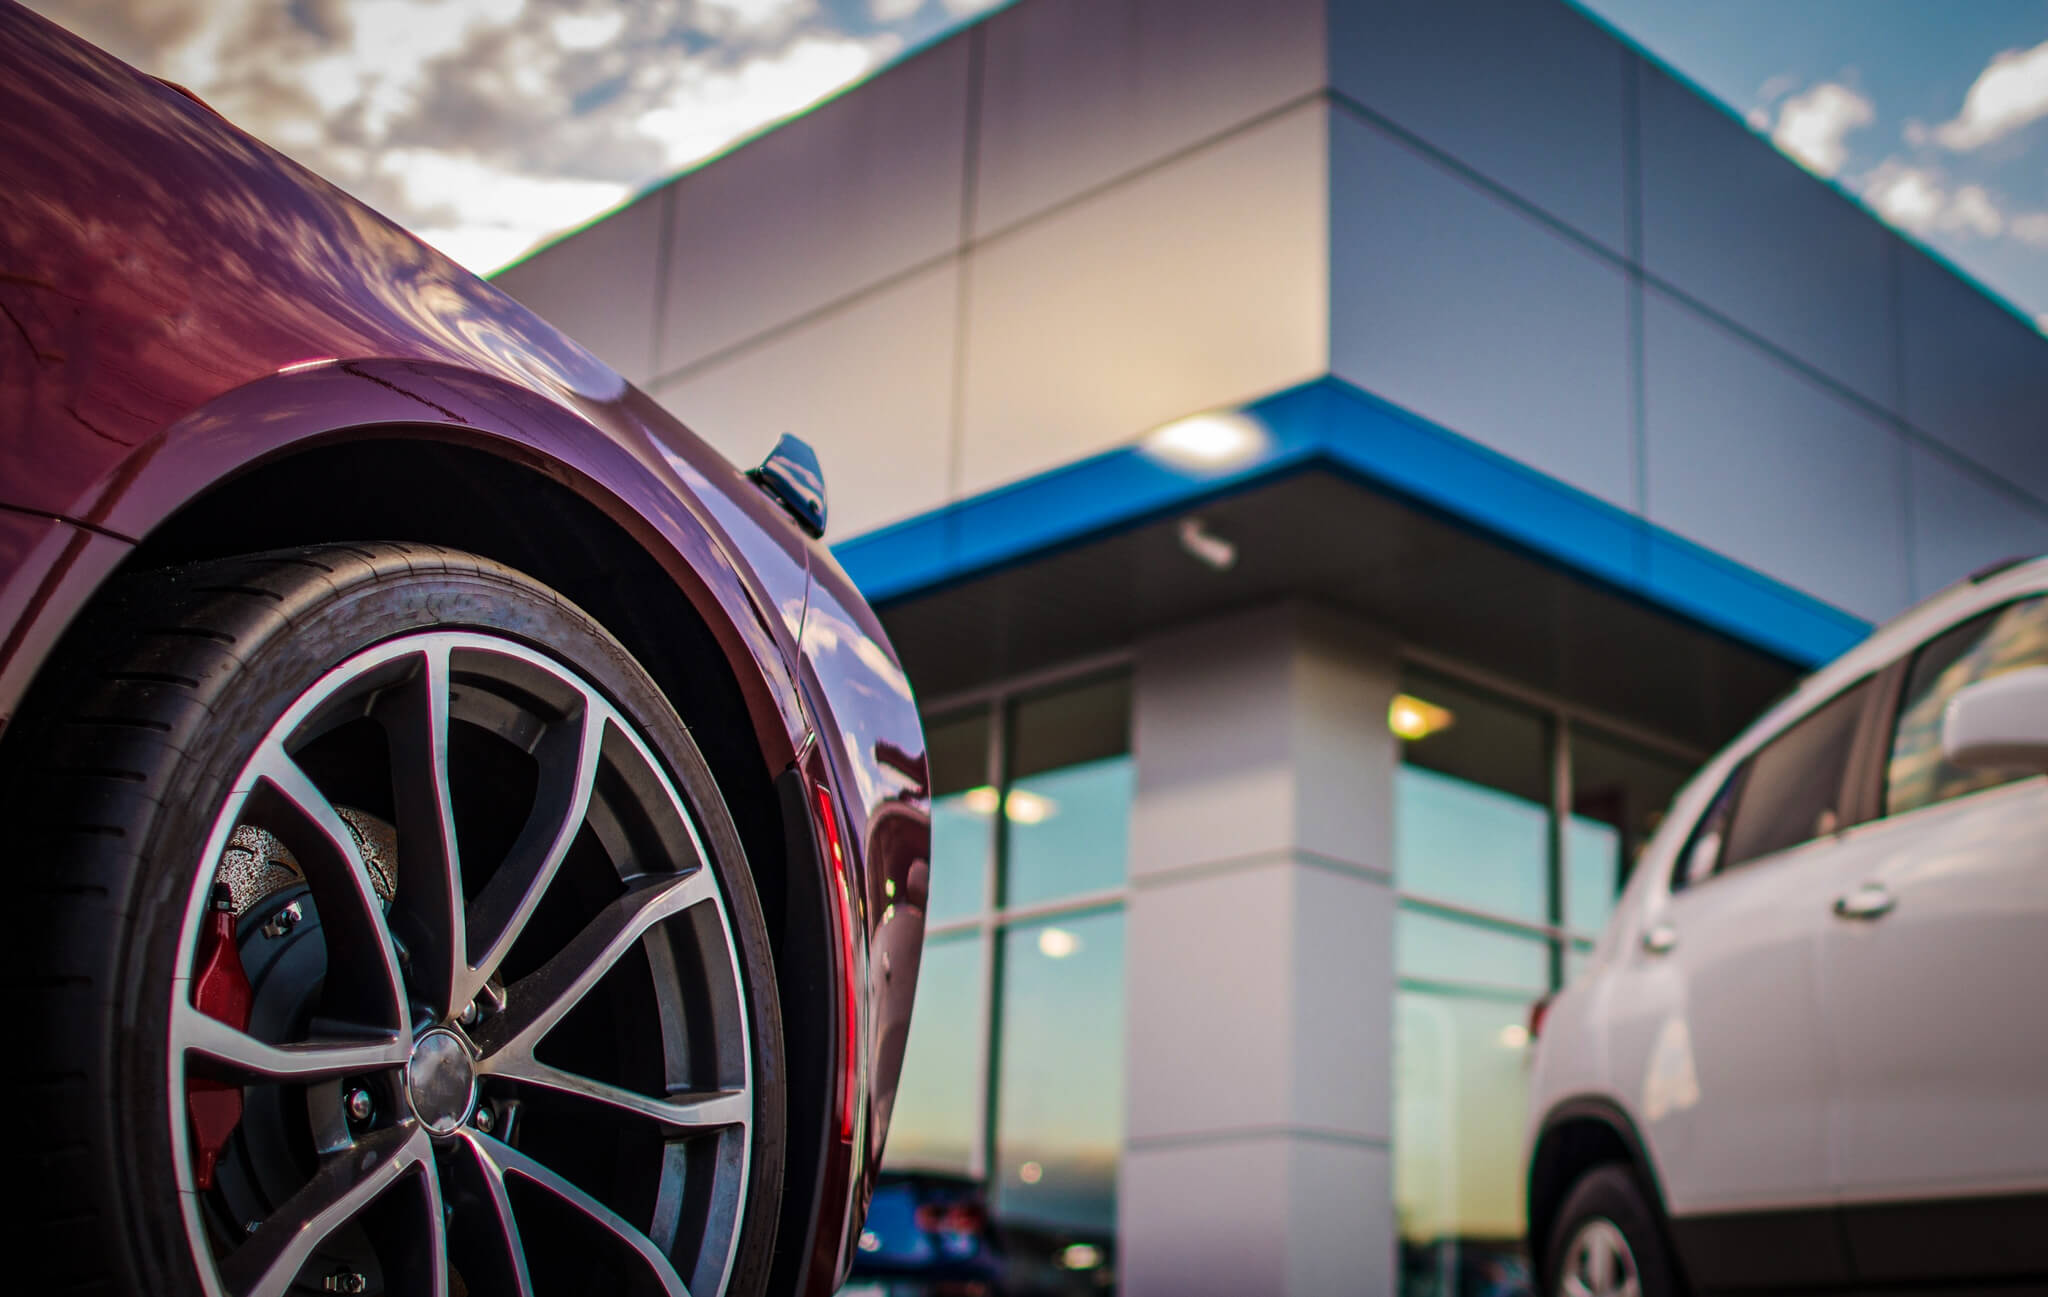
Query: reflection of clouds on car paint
[1670, 1082]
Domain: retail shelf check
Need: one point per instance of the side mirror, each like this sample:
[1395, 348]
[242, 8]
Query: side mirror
[2000, 723]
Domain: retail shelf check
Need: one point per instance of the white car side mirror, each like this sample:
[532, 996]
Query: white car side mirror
[1999, 723]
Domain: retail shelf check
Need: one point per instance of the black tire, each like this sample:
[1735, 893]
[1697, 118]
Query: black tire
[1610, 1193]
[112, 779]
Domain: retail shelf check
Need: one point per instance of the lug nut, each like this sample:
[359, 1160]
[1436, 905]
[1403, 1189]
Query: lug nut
[360, 1105]
[346, 1281]
[284, 920]
[485, 1119]
[470, 1014]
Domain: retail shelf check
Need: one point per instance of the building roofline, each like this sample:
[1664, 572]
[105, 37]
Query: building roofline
[1332, 426]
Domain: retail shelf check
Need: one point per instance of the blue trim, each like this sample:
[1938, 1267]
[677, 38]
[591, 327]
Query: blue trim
[1330, 424]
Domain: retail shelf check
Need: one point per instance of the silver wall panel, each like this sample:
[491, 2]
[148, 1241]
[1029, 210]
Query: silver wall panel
[1530, 95]
[1200, 283]
[1759, 462]
[1961, 522]
[1732, 222]
[1475, 315]
[598, 286]
[862, 188]
[869, 384]
[1076, 93]
[1976, 377]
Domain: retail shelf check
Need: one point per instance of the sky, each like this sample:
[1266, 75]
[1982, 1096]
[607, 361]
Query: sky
[486, 126]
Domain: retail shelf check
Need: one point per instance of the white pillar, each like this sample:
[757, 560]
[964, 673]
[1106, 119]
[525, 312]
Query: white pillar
[1260, 962]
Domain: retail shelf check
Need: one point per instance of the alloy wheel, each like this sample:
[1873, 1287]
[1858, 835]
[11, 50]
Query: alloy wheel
[459, 1004]
[1598, 1262]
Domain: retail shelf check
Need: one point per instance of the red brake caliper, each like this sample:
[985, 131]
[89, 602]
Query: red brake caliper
[221, 991]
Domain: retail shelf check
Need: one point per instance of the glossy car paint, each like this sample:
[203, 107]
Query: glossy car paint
[183, 304]
[1810, 1090]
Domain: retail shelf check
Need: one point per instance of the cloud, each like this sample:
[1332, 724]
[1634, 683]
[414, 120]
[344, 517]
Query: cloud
[1918, 200]
[889, 11]
[1813, 127]
[2009, 93]
[485, 126]
[2031, 228]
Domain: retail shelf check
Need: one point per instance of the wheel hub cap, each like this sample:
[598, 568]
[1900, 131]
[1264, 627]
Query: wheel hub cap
[440, 1081]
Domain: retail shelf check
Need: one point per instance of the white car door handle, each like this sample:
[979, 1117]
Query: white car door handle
[1660, 939]
[1869, 901]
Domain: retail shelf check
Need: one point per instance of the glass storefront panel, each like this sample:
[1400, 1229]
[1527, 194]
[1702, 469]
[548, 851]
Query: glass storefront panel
[1060, 1075]
[937, 1117]
[1460, 1094]
[1437, 948]
[1619, 795]
[963, 801]
[1471, 802]
[1068, 806]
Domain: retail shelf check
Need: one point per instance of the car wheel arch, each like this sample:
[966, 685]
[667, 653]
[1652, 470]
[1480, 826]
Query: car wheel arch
[447, 487]
[1577, 1135]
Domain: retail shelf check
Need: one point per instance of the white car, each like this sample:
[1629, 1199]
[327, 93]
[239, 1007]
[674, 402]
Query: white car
[1811, 1049]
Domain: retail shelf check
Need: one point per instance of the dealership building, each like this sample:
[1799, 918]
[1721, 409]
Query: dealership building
[1331, 468]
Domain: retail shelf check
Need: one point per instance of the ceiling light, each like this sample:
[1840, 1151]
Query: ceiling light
[1514, 1036]
[1411, 718]
[1057, 943]
[1207, 441]
[981, 801]
[1029, 808]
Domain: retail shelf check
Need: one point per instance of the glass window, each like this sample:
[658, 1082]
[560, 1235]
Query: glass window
[1060, 1082]
[1460, 1095]
[963, 803]
[1068, 805]
[1437, 948]
[1619, 795]
[937, 1114]
[1792, 793]
[1472, 803]
[2005, 639]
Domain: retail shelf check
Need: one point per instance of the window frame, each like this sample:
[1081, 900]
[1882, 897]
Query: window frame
[1856, 795]
[1877, 787]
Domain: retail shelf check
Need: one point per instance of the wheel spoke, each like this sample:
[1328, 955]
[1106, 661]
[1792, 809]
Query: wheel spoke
[346, 1184]
[510, 1161]
[496, 1263]
[313, 1060]
[690, 1113]
[536, 1002]
[568, 757]
[363, 983]
[427, 910]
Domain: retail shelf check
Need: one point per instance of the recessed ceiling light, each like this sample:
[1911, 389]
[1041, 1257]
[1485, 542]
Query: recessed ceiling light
[1207, 441]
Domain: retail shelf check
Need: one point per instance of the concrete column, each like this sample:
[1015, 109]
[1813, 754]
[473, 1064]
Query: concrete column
[1260, 962]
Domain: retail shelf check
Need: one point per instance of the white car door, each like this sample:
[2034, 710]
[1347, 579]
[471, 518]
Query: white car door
[1934, 988]
[1718, 1032]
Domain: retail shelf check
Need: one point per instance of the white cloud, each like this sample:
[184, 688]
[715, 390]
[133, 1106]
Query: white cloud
[2032, 228]
[1972, 211]
[1918, 200]
[965, 7]
[587, 31]
[1910, 197]
[1813, 127]
[892, 11]
[2010, 92]
[708, 109]
[755, 18]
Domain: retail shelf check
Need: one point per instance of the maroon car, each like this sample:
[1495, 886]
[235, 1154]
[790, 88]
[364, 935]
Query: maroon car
[462, 836]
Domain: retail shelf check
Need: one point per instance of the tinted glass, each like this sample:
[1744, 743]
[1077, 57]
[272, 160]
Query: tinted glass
[1703, 853]
[1060, 1103]
[1793, 791]
[1471, 804]
[2007, 639]
[1068, 808]
[963, 831]
[1437, 948]
[936, 1110]
[1460, 1095]
[1619, 795]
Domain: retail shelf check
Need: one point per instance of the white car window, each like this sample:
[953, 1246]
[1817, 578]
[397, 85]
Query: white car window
[2004, 639]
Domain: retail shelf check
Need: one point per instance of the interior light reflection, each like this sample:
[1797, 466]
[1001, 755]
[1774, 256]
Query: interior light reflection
[1057, 943]
[1411, 718]
[1022, 806]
